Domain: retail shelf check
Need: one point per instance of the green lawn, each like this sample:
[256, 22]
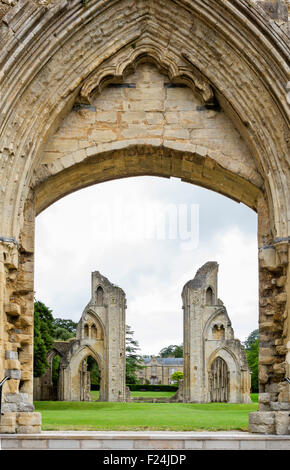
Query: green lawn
[95, 394]
[143, 416]
[254, 397]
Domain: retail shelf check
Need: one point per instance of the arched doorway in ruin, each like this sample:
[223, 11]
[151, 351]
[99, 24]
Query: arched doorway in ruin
[78, 376]
[229, 62]
[219, 381]
[88, 370]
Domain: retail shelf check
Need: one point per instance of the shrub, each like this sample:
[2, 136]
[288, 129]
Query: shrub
[152, 388]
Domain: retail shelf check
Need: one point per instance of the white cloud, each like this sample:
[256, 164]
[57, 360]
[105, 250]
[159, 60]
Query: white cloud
[71, 241]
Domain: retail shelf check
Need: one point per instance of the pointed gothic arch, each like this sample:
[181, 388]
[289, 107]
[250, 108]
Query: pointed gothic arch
[226, 50]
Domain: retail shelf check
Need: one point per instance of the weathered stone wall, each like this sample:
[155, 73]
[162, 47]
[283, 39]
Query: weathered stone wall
[101, 335]
[208, 335]
[232, 55]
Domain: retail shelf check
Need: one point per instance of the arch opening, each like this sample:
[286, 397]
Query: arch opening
[219, 381]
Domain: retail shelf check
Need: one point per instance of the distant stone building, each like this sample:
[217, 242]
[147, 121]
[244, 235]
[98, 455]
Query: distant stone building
[101, 335]
[158, 370]
[215, 364]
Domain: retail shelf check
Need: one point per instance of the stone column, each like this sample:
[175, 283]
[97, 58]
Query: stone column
[16, 300]
[116, 365]
[274, 284]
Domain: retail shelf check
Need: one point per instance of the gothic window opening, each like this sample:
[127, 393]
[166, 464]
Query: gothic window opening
[94, 332]
[218, 332]
[209, 296]
[100, 296]
[86, 331]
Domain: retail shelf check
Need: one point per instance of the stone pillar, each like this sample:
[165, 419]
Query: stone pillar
[115, 347]
[274, 284]
[16, 345]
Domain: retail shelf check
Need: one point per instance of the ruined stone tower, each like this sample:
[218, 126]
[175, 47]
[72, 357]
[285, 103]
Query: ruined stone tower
[101, 335]
[215, 365]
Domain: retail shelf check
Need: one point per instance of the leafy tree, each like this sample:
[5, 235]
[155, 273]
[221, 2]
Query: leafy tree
[252, 352]
[251, 339]
[61, 334]
[134, 361]
[67, 325]
[55, 369]
[39, 362]
[177, 376]
[46, 331]
[172, 351]
[46, 323]
[43, 337]
[94, 370]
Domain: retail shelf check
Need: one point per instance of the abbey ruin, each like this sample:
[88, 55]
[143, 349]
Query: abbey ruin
[98, 90]
[215, 364]
[101, 335]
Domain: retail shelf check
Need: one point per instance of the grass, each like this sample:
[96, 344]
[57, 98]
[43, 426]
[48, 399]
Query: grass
[144, 416]
[254, 397]
[95, 394]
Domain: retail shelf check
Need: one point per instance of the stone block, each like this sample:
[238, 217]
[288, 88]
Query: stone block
[63, 444]
[193, 445]
[13, 364]
[26, 320]
[262, 422]
[262, 418]
[16, 397]
[271, 388]
[7, 429]
[13, 355]
[91, 444]
[267, 397]
[29, 419]
[9, 407]
[13, 373]
[267, 258]
[278, 445]
[282, 422]
[222, 445]
[252, 445]
[25, 407]
[158, 444]
[265, 407]
[103, 135]
[28, 429]
[8, 419]
[13, 386]
[280, 406]
[106, 116]
[34, 444]
[12, 309]
[281, 298]
[125, 444]
[9, 444]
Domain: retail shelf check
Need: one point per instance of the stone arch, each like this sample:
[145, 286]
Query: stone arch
[233, 370]
[73, 372]
[235, 56]
[219, 381]
[44, 388]
[226, 86]
[92, 319]
[218, 331]
[211, 320]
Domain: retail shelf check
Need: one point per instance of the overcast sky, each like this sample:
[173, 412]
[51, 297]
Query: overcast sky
[117, 228]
